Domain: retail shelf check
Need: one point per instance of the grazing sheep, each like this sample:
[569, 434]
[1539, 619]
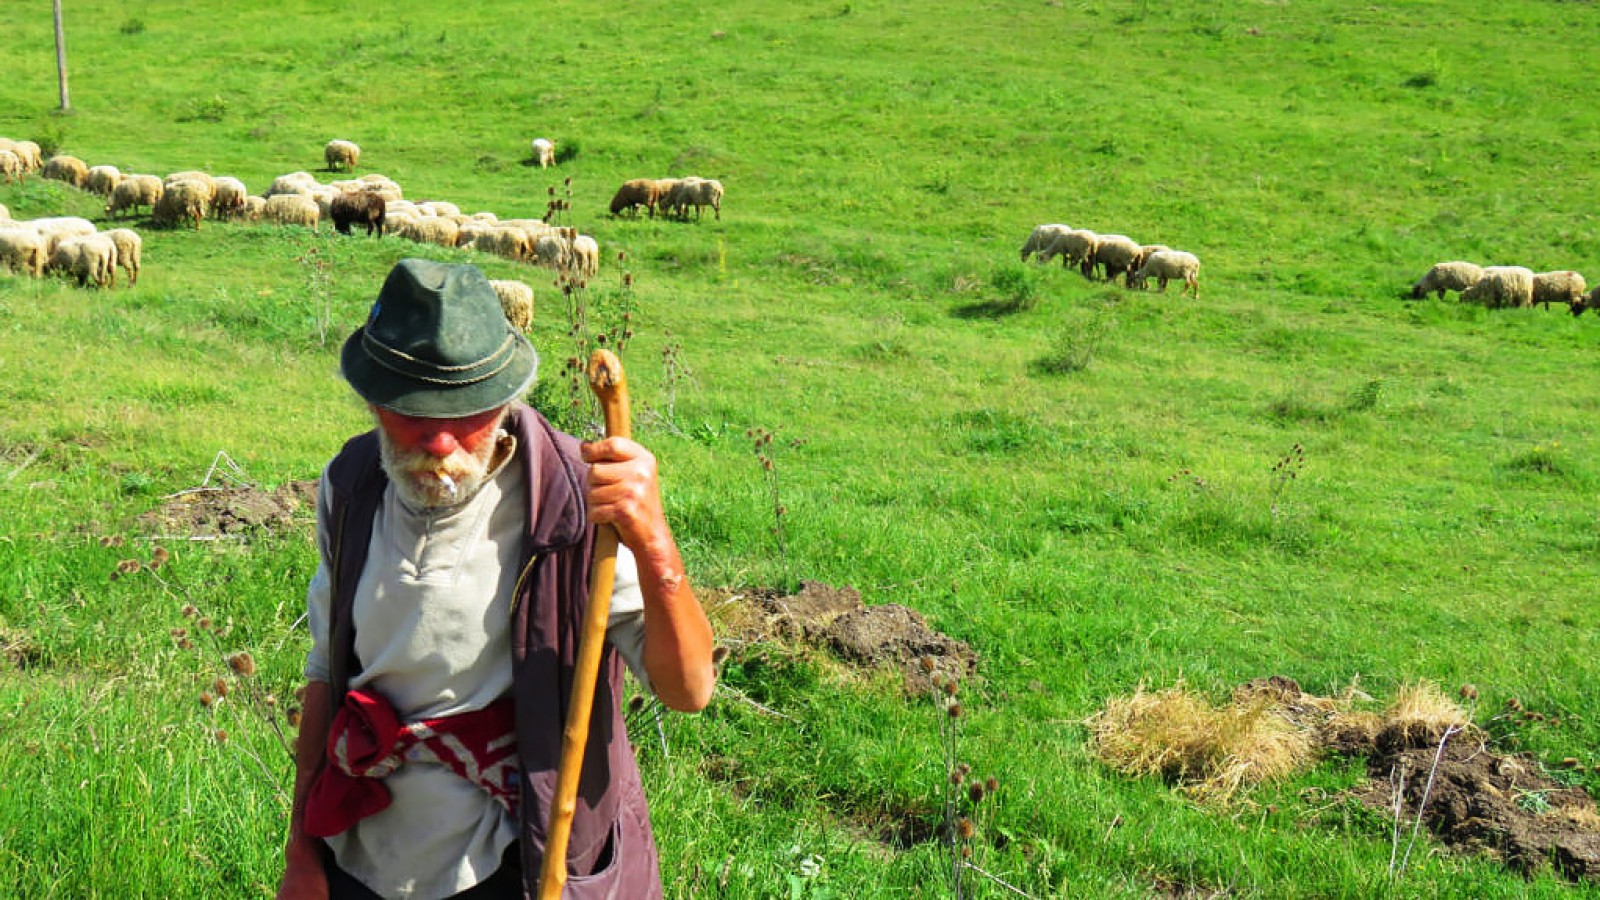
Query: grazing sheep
[1040, 238]
[32, 155]
[1589, 301]
[1447, 276]
[1502, 286]
[696, 192]
[134, 191]
[551, 251]
[130, 247]
[102, 180]
[1075, 247]
[292, 209]
[442, 208]
[508, 242]
[1564, 287]
[1145, 250]
[1169, 265]
[253, 208]
[52, 231]
[516, 298]
[585, 255]
[89, 258]
[181, 200]
[358, 207]
[292, 183]
[11, 166]
[67, 168]
[21, 250]
[203, 178]
[645, 192]
[544, 152]
[1114, 253]
[431, 230]
[229, 198]
[341, 155]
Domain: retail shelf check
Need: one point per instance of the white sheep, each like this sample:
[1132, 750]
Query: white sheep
[203, 178]
[1169, 265]
[89, 258]
[341, 155]
[292, 183]
[505, 241]
[696, 192]
[1502, 286]
[291, 209]
[52, 231]
[1447, 276]
[551, 251]
[32, 155]
[253, 208]
[102, 180]
[544, 152]
[431, 230]
[1115, 253]
[229, 199]
[1076, 248]
[134, 191]
[585, 255]
[438, 208]
[516, 298]
[1565, 287]
[70, 169]
[130, 249]
[1040, 238]
[21, 249]
[11, 166]
[183, 200]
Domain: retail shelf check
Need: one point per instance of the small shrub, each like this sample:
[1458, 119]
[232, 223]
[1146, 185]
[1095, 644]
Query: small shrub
[132, 27]
[568, 150]
[1017, 285]
[209, 109]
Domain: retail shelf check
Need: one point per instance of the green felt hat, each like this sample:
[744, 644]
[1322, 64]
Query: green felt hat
[437, 344]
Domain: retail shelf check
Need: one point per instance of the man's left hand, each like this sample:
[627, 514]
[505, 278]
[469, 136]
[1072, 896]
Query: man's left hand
[624, 492]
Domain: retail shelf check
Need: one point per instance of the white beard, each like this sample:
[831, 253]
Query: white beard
[426, 482]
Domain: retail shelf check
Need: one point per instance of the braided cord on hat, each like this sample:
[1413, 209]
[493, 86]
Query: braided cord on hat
[377, 351]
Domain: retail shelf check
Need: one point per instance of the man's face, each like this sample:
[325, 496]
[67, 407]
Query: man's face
[437, 462]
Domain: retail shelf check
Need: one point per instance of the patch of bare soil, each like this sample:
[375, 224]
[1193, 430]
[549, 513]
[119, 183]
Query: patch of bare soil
[836, 620]
[1481, 801]
[1485, 802]
[216, 512]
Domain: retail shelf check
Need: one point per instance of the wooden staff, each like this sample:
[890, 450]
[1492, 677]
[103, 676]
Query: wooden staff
[609, 385]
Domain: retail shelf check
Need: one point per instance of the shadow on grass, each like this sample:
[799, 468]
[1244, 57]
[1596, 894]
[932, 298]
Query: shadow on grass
[992, 309]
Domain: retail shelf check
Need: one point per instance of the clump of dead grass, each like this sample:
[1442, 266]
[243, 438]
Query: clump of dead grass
[1268, 729]
[1420, 716]
[1209, 751]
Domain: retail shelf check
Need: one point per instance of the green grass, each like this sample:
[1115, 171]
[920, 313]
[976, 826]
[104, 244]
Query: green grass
[1076, 480]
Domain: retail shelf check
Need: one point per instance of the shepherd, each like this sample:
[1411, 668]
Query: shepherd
[456, 541]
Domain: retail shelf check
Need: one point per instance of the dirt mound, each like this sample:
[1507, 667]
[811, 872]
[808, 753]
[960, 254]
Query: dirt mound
[1485, 802]
[835, 619]
[216, 512]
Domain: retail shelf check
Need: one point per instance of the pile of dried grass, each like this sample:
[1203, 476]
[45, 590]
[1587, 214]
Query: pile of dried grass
[1210, 751]
[1268, 729]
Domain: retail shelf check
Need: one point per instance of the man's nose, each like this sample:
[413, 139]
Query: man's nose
[440, 443]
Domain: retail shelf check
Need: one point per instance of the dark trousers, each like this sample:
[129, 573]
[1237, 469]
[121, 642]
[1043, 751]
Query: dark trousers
[504, 884]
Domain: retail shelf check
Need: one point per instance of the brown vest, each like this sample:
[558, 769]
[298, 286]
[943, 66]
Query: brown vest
[611, 853]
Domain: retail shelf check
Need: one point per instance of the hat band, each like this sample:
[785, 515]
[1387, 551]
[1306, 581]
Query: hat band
[409, 366]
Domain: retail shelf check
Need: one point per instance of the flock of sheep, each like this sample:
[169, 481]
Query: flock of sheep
[1113, 255]
[1507, 286]
[73, 246]
[673, 196]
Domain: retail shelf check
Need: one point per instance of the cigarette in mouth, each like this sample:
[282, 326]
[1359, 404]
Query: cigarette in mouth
[448, 482]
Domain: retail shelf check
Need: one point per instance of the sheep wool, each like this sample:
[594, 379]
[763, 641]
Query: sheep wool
[1455, 275]
[229, 196]
[291, 209]
[88, 258]
[1115, 254]
[635, 193]
[1564, 287]
[11, 166]
[66, 168]
[183, 200]
[1170, 265]
[544, 152]
[130, 247]
[1502, 286]
[341, 155]
[516, 298]
[1040, 238]
[102, 180]
[21, 250]
[134, 191]
[1075, 247]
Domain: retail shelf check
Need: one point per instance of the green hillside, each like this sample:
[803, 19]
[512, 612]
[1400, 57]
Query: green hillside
[1080, 481]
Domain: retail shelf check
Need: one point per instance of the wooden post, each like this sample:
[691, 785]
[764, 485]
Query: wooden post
[61, 58]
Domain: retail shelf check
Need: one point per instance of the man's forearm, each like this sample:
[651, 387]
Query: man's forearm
[677, 636]
[316, 717]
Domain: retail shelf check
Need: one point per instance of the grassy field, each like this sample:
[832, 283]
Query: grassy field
[1075, 479]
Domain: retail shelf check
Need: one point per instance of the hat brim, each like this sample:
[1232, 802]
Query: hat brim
[405, 395]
